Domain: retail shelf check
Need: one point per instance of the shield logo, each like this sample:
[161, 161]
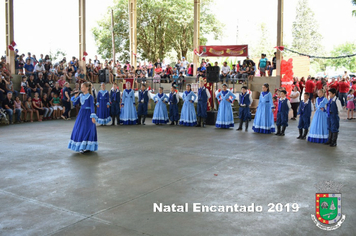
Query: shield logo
[328, 207]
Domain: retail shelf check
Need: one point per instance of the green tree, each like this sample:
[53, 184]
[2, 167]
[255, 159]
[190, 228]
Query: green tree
[342, 50]
[264, 44]
[162, 26]
[354, 11]
[306, 38]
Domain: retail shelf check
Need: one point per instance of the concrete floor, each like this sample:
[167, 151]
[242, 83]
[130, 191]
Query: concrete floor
[46, 189]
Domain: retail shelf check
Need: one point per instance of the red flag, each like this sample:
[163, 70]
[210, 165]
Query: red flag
[85, 54]
[83, 58]
[11, 47]
[13, 44]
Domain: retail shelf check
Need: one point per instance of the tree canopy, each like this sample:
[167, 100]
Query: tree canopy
[342, 50]
[354, 11]
[162, 26]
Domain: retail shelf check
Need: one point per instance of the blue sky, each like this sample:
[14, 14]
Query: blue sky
[52, 25]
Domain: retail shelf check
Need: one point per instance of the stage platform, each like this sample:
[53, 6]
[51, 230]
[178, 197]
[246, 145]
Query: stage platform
[46, 189]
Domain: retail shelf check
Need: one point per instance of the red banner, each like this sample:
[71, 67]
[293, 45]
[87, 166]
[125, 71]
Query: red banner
[224, 51]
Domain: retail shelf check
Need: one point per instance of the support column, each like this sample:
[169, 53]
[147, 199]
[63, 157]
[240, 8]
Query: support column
[82, 35]
[9, 33]
[113, 36]
[279, 38]
[133, 32]
[196, 34]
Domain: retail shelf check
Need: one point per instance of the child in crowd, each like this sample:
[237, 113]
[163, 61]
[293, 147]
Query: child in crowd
[350, 104]
[175, 78]
[188, 115]
[142, 104]
[225, 118]
[275, 104]
[24, 86]
[319, 128]
[160, 115]
[245, 101]
[48, 109]
[282, 116]
[173, 105]
[30, 109]
[18, 107]
[57, 108]
[103, 106]
[333, 109]
[115, 100]
[180, 80]
[304, 112]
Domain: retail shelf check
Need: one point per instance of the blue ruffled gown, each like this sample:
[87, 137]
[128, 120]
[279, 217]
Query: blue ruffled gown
[225, 118]
[264, 120]
[188, 116]
[84, 136]
[128, 115]
[318, 132]
[103, 112]
[160, 114]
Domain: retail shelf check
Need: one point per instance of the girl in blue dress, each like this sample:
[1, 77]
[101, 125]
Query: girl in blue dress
[103, 104]
[188, 116]
[225, 118]
[319, 127]
[160, 114]
[84, 137]
[264, 120]
[128, 115]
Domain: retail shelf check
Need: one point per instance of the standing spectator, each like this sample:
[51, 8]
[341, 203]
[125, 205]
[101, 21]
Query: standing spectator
[190, 70]
[262, 65]
[310, 88]
[350, 104]
[269, 68]
[274, 61]
[150, 69]
[343, 90]
[66, 101]
[185, 65]
[96, 61]
[21, 65]
[295, 100]
[301, 86]
[8, 105]
[225, 70]
[201, 71]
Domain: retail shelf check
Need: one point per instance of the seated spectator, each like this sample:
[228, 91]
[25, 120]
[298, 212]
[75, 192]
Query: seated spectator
[29, 108]
[19, 107]
[185, 64]
[175, 77]
[57, 108]
[29, 68]
[120, 73]
[61, 69]
[61, 81]
[182, 68]
[39, 68]
[38, 106]
[181, 80]
[32, 86]
[8, 105]
[79, 77]
[70, 71]
[168, 73]
[56, 89]
[90, 75]
[51, 82]
[158, 73]
[201, 71]
[43, 85]
[150, 69]
[48, 109]
[234, 74]
[10, 87]
[21, 65]
[225, 73]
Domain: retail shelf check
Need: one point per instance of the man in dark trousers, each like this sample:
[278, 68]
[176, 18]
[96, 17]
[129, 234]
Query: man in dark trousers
[142, 104]
[333, 108]
[203, 97]
[115, 100]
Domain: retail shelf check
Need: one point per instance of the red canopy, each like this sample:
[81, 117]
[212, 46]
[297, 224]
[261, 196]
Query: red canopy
[224, 51]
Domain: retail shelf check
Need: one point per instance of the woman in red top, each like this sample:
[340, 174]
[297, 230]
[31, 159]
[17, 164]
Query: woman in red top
[37, 105]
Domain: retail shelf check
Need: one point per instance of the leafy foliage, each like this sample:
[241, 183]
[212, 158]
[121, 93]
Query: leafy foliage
[349, 62]
[162, 26]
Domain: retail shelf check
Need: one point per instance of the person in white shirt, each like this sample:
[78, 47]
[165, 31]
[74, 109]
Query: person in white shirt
[225, 73]
[39, 67]
[185, 65]
[295, 100]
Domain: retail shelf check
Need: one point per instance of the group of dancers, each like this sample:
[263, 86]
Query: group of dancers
[115, 105]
